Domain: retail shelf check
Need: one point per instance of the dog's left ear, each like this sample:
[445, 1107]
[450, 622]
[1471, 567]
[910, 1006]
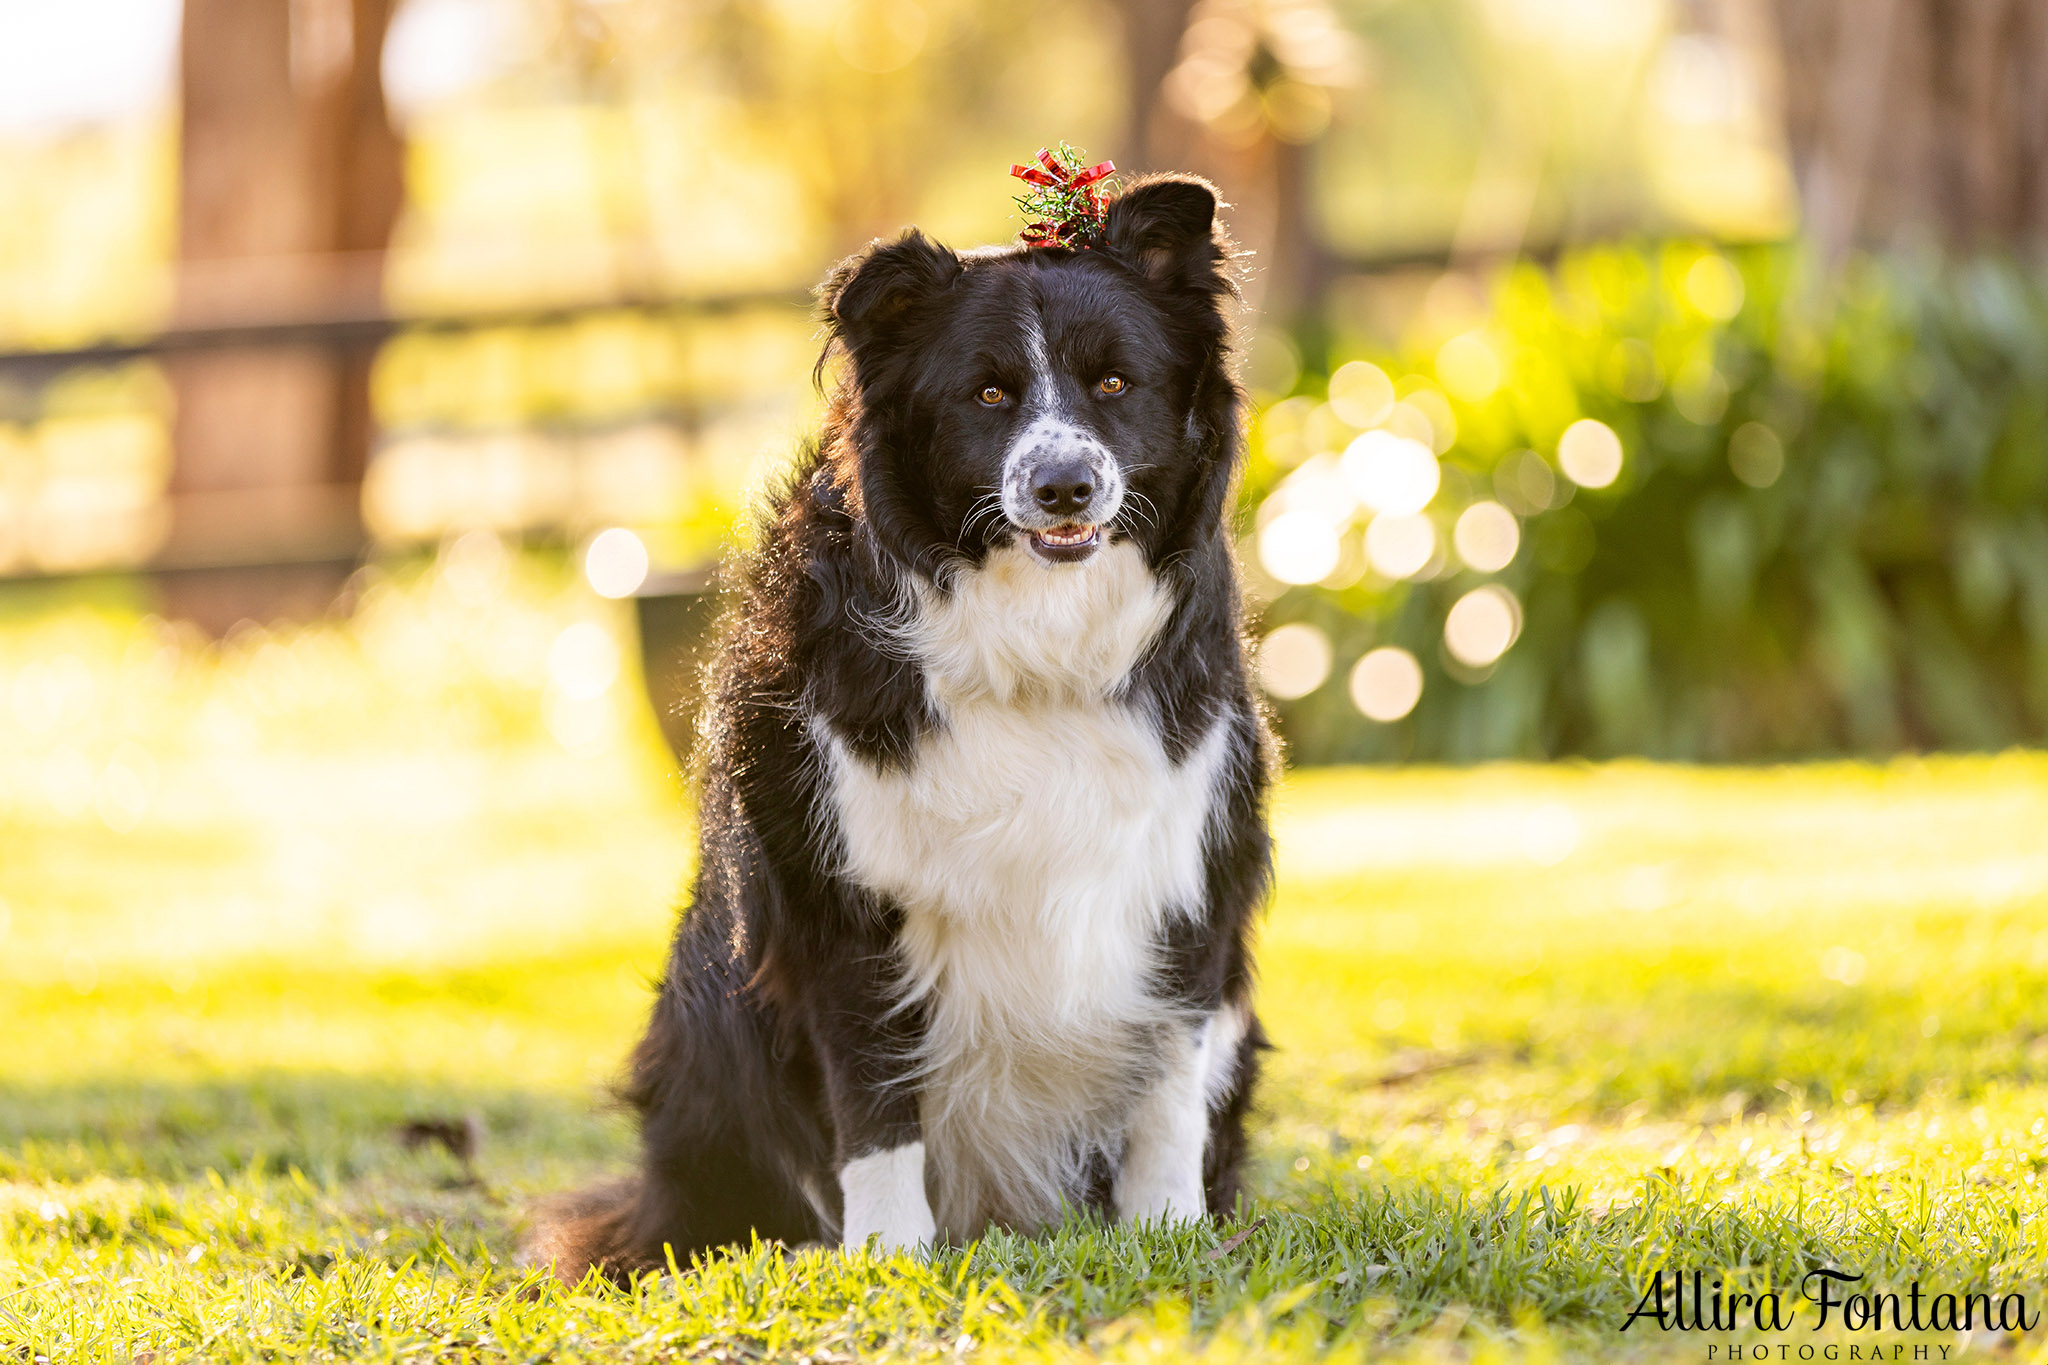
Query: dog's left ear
[878, 301]
[887, 283]
[1166, 226]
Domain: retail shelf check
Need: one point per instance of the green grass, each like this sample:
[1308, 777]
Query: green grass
[1541, 1032]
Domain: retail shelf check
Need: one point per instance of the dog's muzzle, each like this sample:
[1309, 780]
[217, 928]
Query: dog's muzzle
[1060, 487]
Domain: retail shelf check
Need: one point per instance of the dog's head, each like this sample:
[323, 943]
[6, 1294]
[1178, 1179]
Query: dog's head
[1055, 397]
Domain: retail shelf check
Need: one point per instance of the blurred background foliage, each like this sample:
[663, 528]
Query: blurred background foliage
[1628, 377]
[1820, 526]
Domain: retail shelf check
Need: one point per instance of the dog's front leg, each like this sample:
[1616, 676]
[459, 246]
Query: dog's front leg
[883, 1192]
[868, 1046]
[1161, 1175]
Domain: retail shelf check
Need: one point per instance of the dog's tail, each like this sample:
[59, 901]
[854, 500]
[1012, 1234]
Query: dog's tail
[600, 1228]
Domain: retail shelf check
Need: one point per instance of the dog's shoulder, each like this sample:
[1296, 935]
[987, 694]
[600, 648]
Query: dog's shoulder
[806, 633]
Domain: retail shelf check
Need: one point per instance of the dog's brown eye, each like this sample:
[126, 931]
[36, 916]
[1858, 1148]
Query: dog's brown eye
[1111, 383]
[990, 396]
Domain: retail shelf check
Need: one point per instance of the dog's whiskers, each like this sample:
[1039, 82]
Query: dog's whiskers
[988, 506]
[1142, 507]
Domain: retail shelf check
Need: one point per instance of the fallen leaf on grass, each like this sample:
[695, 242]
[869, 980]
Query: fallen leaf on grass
[461, 1138]
[1237, 1240]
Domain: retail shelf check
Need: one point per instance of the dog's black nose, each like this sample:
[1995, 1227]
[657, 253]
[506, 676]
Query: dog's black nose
[1063, 488]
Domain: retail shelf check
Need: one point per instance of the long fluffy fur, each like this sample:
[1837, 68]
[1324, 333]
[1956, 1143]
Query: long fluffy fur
[981, 836]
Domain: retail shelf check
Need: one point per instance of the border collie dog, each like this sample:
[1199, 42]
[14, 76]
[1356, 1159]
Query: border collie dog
[984, 781]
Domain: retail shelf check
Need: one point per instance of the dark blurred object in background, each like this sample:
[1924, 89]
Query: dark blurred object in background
[1911, 120]
[290, 183]
[676, 616]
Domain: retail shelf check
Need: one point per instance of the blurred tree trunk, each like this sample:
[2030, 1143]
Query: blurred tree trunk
[1152, 32]
[1917, 117]
[1267, 180]
[288, 159]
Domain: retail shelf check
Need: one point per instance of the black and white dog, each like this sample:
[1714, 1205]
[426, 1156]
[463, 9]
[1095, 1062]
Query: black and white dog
[983, 804]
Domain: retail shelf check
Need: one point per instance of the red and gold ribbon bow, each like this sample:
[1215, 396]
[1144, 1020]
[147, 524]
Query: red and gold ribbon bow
[1064, 198]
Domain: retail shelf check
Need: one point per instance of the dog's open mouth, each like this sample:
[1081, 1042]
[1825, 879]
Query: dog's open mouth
[1064, 544]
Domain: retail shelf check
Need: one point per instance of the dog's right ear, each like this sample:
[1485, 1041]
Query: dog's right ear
[1165, 226]
[886, 284]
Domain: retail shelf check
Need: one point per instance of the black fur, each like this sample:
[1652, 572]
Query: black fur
[773, 1053]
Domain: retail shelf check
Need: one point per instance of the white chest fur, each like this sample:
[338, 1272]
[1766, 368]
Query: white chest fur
[1037, 842]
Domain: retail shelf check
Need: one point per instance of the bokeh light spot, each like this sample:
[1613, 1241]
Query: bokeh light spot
[1525, 482]
[1468, 367]
[1590, 453]
[1426, 415]
[616, 563]
[1487, 536]
[475, 567]
[1411, 421]
[1393, 475]
[1319, 488]
[1481, 625]
[1843, 966]
[1282, 430]
[1756, 455]
[1386, 684]
[1298, 547]
[1714, 287]
[1294, 660]
[1400, 546]
[1361, 393]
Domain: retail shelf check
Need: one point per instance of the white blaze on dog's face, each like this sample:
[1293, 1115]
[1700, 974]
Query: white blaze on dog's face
[1061, 483]
[1043, 398]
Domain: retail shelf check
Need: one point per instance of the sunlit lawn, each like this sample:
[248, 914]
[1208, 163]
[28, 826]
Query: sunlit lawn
[1541, 1031]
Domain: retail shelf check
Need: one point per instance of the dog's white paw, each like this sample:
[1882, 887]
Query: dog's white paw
[1161, 1201]
[884, 1198]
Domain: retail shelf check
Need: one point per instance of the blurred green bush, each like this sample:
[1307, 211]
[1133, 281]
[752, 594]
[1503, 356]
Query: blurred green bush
[1828, 532]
